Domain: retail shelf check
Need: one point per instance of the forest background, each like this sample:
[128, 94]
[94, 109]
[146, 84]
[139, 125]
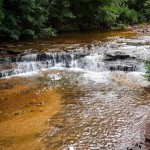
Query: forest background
[38, 18]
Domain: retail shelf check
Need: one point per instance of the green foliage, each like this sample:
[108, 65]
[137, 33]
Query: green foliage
[60, 14]
[127, 16]
[142, 7]
[1, 11]
[34, 18]
[147, 9]
[107, 15]
[23, 18]
[147, 65]
[48, 32]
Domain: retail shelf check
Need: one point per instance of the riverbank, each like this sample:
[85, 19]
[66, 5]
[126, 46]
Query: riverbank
[140, 29]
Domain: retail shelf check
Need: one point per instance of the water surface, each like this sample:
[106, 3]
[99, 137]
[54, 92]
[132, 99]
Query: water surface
[94, 81]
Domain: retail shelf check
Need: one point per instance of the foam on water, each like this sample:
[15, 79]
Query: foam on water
[98, 77]
[82, 58]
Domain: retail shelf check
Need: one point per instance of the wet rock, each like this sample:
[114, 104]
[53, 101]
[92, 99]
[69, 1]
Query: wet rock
[4, 51]
[5, 73]
[13, 52]
[138, 145]
[6, 67]
[4, 60]
[3, 46]
[18, 113]
[122, 68]
[147, 88]
[112, 56]
[141, 29]
[48, 120]
[40, 104]
[41, 110]
[58, 126]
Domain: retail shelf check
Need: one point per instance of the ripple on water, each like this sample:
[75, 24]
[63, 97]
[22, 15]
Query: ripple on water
[100, 109]
[101, 113]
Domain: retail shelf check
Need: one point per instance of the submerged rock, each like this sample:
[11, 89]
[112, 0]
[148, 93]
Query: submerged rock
[18, 113]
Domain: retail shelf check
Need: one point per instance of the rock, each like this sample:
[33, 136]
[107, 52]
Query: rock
[147, 140]
[43, 103]
[12, 52]
[4, 73]
[141, 29]
[48, 120]
[58, 126]
[138, 145]
[19, 112]
[122, 68]
[112, 56]
[41, 109]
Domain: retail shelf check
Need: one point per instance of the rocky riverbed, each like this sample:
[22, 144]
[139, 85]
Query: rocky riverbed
[141, 29]
[87, 92]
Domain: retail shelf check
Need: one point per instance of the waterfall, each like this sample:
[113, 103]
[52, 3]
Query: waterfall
[110, 56]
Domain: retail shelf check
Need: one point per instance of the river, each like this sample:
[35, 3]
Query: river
[83, 91]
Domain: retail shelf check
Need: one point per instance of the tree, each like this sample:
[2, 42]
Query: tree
[147, 9]
[24, 17]
[34, 18]
[60, 15]
[1, 11]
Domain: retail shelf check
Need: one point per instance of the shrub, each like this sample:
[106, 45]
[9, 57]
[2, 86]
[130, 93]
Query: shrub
[147, 65]
[127, 16]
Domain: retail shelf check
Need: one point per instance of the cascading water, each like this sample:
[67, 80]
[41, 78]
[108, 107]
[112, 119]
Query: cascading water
[104, 105]
[109, 56]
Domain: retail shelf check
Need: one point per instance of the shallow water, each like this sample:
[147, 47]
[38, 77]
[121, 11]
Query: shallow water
[101, 108]
[101, 113]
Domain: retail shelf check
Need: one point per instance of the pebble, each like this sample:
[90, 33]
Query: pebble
[19, 112]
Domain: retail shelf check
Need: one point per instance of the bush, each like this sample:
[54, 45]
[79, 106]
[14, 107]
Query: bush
[127, 16]
[34, 18]
[147, 9]
[147, 65]
[23, 18]
[1, 12]
[48, 32]
[108, 15]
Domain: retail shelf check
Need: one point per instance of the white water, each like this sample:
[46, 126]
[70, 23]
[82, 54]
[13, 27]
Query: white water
[110, 115]
[92, 60]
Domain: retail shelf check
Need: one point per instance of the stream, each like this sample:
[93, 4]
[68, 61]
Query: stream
[105, 97]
